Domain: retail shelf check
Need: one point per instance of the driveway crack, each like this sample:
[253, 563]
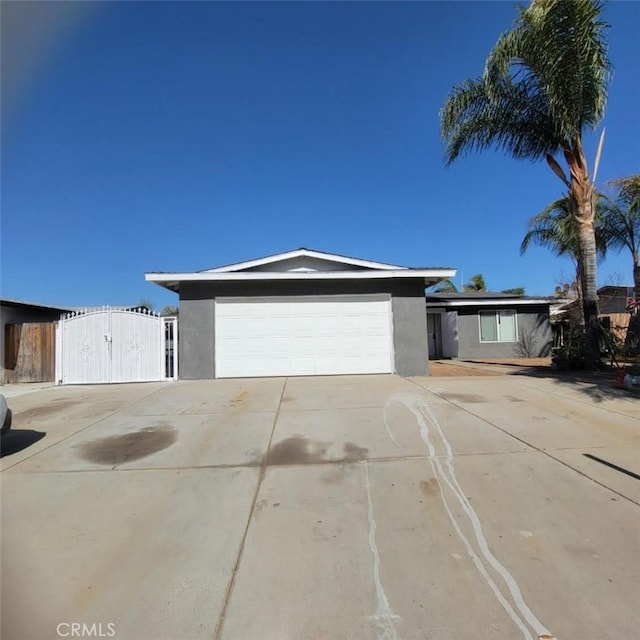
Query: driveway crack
[263, 468]
[544, 452]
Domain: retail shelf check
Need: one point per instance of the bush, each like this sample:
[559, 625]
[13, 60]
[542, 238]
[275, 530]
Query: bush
[570, 355]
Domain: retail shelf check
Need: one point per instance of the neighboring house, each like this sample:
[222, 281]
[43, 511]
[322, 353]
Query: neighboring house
[487, 325]
[614, 299]
[302, 312]
[27, 340]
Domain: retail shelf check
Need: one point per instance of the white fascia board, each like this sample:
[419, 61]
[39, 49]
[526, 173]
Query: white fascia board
[488, 303]
[216, 276]
[298, 253]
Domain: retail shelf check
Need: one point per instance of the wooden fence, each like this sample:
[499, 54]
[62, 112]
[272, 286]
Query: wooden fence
[618, 323]
[29, 352]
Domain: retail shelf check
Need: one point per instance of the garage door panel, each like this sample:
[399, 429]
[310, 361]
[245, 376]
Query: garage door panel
[303, 336]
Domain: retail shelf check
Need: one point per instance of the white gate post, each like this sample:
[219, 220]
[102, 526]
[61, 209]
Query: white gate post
[59, 347]
[175, 348]
[170, 348]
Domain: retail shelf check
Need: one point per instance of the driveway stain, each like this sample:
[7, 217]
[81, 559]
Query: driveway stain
[240, 398]
[51, 408]
[353, 452]
[430, 487]
[128, 446]
[463, 397]
[297, 450]
[300, 450]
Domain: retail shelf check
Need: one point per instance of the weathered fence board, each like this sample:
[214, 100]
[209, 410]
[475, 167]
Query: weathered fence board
[29, 352]
[618, 323]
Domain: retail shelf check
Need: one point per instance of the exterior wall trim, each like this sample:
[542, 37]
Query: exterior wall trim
[510, 302]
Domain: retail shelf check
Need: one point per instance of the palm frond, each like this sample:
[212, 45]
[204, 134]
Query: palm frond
[544, 82]
[559, 47]
[622, 217]
[512, 120]
[554, 228]
[446, 286]
[476, 284]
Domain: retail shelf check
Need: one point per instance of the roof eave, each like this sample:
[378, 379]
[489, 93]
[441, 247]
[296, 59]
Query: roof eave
[490, 302]
[8, 302]
[172, 281]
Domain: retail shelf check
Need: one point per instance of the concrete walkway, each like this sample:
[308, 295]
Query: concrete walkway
[336, 507]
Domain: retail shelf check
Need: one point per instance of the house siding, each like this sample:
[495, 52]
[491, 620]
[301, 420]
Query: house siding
[196, 332]
[197, 317]
[616, 304]
[534, 334]
[410, 331]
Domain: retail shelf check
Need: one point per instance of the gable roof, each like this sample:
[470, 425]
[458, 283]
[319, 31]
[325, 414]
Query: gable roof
[305, 264]
[302, 252]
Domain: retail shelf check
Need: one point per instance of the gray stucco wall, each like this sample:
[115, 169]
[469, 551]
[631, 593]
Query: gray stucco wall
[196, 331]
[610, 304]
[410, 332]
[534, 334]
[197, 317]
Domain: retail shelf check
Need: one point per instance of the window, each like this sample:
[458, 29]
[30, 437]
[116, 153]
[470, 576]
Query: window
[498, 326]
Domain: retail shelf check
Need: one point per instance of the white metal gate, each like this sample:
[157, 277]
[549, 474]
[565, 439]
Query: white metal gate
[115, 345]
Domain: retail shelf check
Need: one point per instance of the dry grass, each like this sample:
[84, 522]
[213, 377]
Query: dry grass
[446, 370]
[517, 362]
[488, 367]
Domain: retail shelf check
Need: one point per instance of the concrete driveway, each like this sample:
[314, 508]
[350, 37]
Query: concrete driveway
[322, 508]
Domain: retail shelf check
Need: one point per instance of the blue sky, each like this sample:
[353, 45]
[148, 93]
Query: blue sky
[177, 136]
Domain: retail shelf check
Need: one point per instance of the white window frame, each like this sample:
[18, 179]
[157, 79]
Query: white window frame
[496, 314]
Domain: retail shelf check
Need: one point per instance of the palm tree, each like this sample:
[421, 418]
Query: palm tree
[565, 290]
[554, 229]
[544, 83]
[476, 284]
[623, 222]
[446, 286]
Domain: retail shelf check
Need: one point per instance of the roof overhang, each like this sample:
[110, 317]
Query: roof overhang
[487, 302]
[172, 281]
[6, 302]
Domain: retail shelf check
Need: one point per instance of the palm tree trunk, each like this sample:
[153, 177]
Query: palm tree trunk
[578, 314]
[588, 259]
[583, 210]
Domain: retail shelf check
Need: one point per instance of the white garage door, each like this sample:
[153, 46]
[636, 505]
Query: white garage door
[300, 336]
